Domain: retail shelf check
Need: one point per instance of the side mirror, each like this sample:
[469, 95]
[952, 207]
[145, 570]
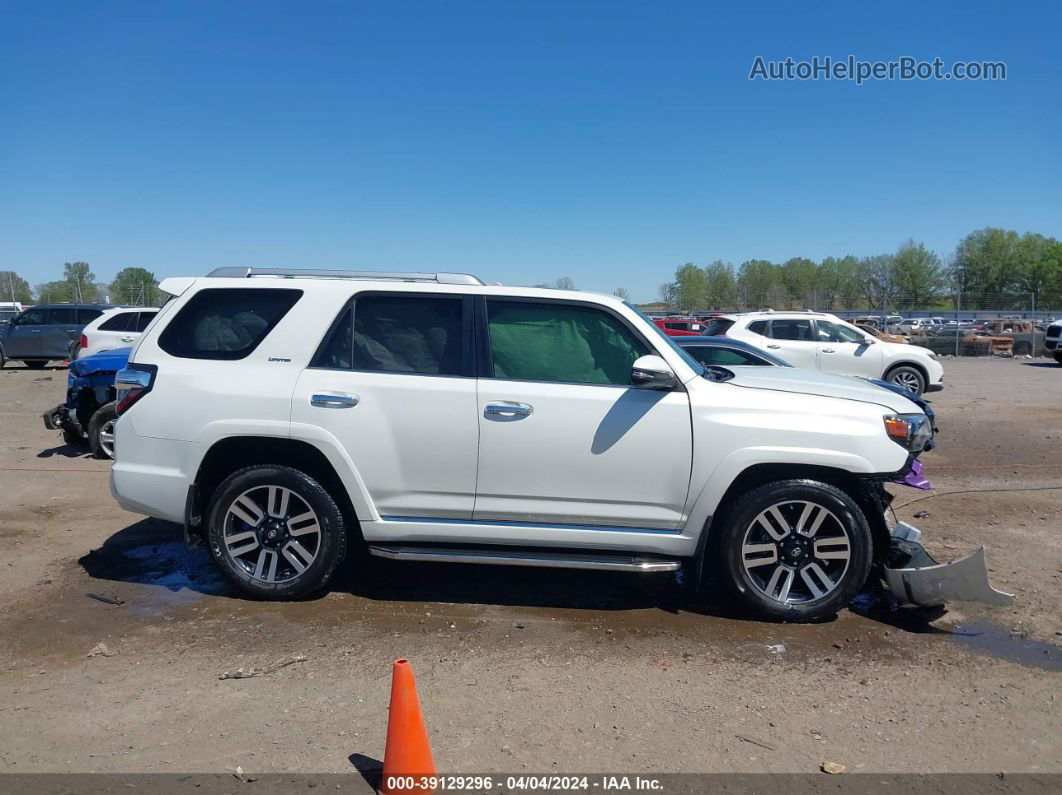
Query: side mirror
[868, 340]
[652, 372]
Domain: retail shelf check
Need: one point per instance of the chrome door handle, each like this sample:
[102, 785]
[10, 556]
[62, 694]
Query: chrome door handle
[508, 409]
[334, 401]
[775, 347]
[829, 350]
[127, 339]
[35, 331]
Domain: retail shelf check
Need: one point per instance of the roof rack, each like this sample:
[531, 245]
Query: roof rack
[305, 273]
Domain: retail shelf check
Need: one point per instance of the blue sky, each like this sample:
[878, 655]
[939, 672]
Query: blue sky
[609, 142]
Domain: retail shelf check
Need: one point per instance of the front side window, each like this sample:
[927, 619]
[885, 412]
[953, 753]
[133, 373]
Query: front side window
[796, 330]
[560, 342]
[835, 332]
[225, 323]
[32, 317]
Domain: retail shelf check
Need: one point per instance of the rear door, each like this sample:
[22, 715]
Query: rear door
[117, 331]
[564, 437]
[61, 328]
[394, 383]
[792, 339]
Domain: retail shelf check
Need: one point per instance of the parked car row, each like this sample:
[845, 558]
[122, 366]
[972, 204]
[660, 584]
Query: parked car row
[41, 334]
[431, 417]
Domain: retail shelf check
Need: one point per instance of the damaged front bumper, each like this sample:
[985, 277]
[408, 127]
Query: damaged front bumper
[912, 575]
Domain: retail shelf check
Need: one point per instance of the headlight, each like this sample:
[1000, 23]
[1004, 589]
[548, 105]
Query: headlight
[932, 354]
[910, 431]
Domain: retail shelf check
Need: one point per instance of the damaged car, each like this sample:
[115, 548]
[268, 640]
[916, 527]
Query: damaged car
[89, 413]
[286, 417]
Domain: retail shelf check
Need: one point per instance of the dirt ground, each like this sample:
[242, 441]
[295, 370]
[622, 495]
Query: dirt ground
[523, 670]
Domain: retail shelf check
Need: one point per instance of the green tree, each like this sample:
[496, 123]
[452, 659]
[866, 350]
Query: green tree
[876, 281]
[800, 279]
[984, 268]
[82, 281]
[668, 293]
[754, 281]
[14, 288]
[917, 275]
[1038, 263]
[136, 286]
[691, 286]
[55, 292]
[622, 293]
[564, 283]
[720, 283]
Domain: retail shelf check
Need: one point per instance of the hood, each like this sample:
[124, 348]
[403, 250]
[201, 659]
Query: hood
[812, 382]
[104, 362]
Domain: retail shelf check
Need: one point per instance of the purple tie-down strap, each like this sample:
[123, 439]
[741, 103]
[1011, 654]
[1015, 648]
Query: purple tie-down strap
[915, 479]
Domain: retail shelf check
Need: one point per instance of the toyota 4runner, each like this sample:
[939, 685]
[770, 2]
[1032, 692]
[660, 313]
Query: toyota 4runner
[286, 416]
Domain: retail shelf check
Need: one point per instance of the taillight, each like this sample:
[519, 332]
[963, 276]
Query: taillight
[84, 341]
[133, 382]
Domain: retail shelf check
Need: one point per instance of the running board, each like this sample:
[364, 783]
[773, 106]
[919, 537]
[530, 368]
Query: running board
[553, 560]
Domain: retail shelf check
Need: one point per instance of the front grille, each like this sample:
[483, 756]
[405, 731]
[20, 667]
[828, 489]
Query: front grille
[1054, 331]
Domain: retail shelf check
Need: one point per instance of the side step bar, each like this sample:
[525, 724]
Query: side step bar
[554, 560]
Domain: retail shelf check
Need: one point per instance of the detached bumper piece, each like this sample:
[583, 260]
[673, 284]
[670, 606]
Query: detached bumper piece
[914, 576]
[55, 419]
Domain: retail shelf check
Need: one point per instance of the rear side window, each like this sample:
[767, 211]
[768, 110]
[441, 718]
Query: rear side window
[709, 354]
[62, 316]
[225, 323]
[412, 334]
[123, 321]
[564, 343]
[719, 326]
[142, 320]
[86, 316]
[799, 330]
[758, 327]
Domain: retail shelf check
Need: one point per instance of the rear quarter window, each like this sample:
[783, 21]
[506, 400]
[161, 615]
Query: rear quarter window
[225, 323]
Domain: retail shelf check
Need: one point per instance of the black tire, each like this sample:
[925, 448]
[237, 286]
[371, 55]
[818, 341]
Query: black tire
[101, 424]
[749, 584]
[1058, 358]
[331, 542]
[35, 364]
[3, 359]
[1023, 348]
[73, 438]
[908, 377]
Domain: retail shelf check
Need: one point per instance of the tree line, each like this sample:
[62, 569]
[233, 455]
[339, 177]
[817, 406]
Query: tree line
[991, 269]
[136, 286]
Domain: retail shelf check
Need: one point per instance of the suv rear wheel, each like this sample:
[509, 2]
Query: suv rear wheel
[795, 550]
[275, 533]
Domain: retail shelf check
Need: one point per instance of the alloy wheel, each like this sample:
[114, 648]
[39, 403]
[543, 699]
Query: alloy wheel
[107, 438]
[796, 551]
[271, 533]
[907, 380]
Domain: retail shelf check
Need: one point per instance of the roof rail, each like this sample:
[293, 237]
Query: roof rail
[306, 273]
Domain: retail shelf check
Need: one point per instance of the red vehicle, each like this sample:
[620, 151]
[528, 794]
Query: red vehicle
[680, 326]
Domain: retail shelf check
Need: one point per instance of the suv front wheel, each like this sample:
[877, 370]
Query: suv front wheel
[275, 532]
[796, 550]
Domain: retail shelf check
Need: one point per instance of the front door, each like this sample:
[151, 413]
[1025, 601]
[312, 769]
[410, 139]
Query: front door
[24, 339]
[394, 383]
[564, 439]
[846, 351]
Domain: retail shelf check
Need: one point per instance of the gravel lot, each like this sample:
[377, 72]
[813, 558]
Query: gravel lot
[522, 670]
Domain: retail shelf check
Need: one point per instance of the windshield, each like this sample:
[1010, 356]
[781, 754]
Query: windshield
[697, 366]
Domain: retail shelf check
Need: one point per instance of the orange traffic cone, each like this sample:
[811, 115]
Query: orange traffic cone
[408, 753]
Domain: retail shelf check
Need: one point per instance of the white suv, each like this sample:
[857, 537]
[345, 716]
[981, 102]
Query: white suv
[285, 416]
[820, 341]
[115, 328]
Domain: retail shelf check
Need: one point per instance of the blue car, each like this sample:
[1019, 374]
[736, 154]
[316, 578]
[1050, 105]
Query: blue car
[89, 413]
